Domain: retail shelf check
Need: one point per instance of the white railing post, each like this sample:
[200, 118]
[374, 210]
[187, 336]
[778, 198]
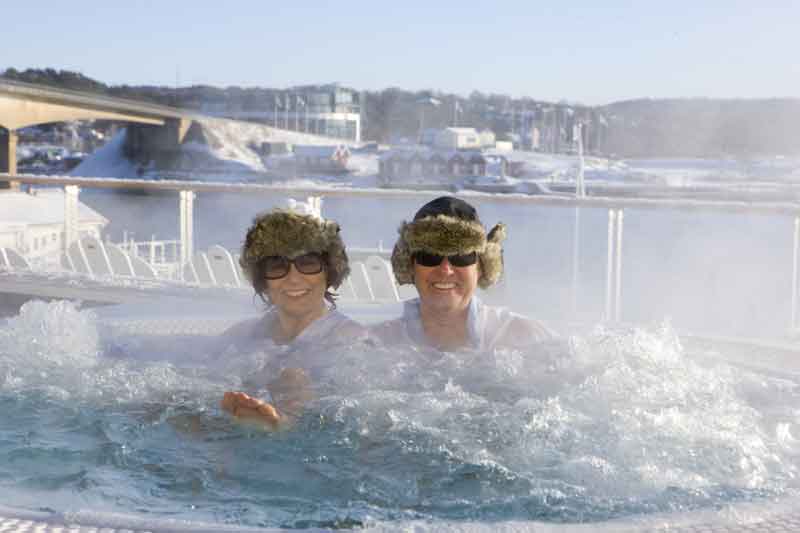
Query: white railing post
[182, 225]
[614, 266]
[187, 226]
[580, 186]
[190, 223]
[580, 192]
[71, 193]
[618, 299]
[612, 217]
[576, 250]
[794, 270]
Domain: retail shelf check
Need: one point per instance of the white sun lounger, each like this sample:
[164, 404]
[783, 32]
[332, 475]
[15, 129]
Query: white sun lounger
[223, 267]
[359, 279]
[381, 279]
[12, 260]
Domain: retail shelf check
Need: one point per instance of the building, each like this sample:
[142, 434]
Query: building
[33, 224]
[424, 164]
[321, 159]
[458, 139]
[326, 110]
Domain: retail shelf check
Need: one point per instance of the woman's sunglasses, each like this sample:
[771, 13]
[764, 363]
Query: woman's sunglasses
[277, 266]
[432, 260]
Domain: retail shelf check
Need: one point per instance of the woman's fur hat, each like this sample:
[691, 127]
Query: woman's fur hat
[286, 233]
[449, 226]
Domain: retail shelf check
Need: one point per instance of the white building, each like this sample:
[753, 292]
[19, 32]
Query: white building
[464, 139]
[33, 224]
[325, 110]
[322, 158]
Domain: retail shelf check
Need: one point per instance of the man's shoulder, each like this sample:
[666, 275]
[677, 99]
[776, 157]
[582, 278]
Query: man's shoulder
[529, 329]
[517, 330]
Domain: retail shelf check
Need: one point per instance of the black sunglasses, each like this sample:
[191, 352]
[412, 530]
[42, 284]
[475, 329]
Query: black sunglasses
[432, 260]
[277, 266]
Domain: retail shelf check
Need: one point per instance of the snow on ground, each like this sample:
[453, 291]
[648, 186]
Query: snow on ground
[361, 164]
[236, 142]
[231, 148]
[231, 152]
[107, 161]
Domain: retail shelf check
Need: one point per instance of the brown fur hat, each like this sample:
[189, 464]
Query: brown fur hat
[449, 226]
[286, 233]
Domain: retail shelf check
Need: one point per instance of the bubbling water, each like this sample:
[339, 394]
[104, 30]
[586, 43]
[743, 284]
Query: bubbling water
[604, 425]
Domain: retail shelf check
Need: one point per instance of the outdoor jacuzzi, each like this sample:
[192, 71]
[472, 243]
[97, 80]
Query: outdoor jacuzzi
[113, 421]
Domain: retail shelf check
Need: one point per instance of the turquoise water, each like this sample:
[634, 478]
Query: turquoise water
[610, 424]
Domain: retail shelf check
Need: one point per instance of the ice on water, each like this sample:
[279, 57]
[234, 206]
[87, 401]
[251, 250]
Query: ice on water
[602, 425]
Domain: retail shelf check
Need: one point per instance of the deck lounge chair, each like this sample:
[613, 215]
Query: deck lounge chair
[12, 260]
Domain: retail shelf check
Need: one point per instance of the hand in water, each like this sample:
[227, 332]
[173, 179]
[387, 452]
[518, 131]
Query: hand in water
[291, 391]
[245, 407]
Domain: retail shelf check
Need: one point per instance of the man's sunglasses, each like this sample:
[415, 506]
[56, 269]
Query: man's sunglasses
[432, 260]
[277, 266]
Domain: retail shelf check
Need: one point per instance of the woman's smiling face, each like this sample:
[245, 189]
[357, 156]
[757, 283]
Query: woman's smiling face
[298, 294]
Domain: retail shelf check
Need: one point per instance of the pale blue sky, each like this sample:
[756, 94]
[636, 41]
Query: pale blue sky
[593, 52]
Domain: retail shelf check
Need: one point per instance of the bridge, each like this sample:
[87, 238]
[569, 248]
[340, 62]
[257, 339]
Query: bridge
[154, 132]
[24, 104]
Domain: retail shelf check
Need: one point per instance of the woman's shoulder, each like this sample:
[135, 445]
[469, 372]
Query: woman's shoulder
[339, 327]
[246, 329]
[347, 326]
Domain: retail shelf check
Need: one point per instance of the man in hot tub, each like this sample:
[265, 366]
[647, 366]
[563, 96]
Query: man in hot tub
[446, 253]
[294, 261]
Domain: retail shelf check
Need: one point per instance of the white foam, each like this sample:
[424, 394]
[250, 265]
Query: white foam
[613, 418]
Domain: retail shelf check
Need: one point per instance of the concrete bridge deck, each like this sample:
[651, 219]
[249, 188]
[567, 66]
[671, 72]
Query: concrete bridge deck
[134, 109]
[155, 132]
[23, 105]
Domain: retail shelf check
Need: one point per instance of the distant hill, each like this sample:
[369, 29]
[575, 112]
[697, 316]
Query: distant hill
[62, 79]
[692, 127]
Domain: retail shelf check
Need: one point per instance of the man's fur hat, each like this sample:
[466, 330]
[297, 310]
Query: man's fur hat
[449, 226]
[286, 233]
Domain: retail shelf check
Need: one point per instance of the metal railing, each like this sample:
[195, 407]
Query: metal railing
[615, 207]
[163, 255]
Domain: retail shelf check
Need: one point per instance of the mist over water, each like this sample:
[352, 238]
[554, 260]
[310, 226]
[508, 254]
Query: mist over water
[604, 425]
[706, 272]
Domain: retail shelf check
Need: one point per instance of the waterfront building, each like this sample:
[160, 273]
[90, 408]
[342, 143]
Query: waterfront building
[424, 164]
[323, 159]
[325, 110]
[457, 138]
[32, 223]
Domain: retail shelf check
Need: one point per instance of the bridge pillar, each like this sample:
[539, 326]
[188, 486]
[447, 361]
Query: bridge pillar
[146, 142]
[8, 157]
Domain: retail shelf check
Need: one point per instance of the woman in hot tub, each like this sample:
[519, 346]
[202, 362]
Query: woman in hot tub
[294, 262]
